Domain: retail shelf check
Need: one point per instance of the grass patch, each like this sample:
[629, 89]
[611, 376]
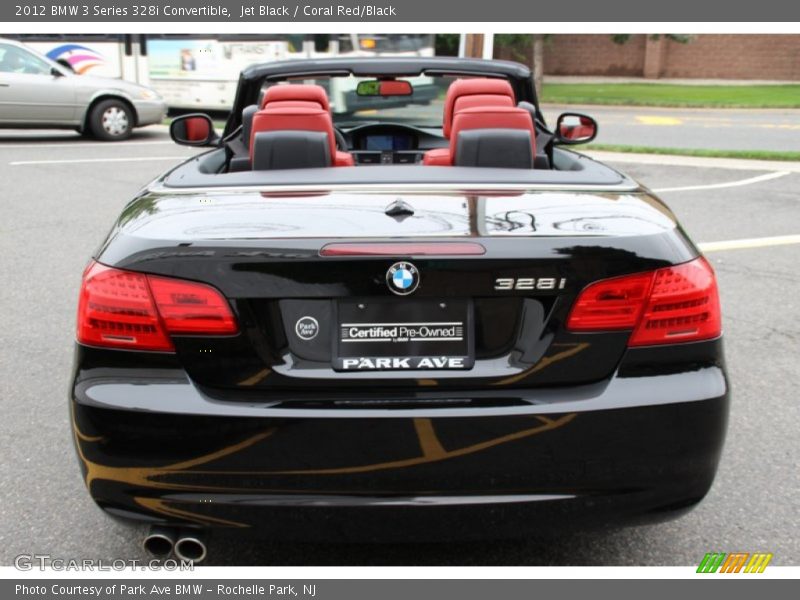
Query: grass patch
[657, 94]
[744, 154]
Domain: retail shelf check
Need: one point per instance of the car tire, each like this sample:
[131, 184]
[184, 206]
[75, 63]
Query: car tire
[111, 120]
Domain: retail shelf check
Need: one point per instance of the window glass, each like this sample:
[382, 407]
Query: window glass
[17, 60]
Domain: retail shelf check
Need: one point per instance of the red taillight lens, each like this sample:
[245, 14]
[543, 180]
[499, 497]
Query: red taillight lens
[611, 304]
[116, 309]
[683, 306]
[192, 308]
[667, 306]
[123, 309]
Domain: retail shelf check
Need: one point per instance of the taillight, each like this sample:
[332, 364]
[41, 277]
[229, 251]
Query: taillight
[124, 309]
[191, 308]
[683, 306]
[611, 304]
[666, 306]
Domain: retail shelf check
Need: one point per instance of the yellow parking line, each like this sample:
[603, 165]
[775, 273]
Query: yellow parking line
[658, 120]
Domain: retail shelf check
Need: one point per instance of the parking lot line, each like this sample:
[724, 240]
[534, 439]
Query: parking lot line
[716, 186]
[778, 240]
[667, 160]
[95, 160]
[82, 144]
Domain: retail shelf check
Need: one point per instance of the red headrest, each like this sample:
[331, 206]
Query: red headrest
[491, 117]
[294, 92]
[294, 104]
[288, 118]
[473, 87]
[481, 100]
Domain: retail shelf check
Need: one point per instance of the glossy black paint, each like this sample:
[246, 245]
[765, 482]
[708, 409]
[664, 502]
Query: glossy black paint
[637, 448]
[550, 427]
[260, 250]
[256, 432]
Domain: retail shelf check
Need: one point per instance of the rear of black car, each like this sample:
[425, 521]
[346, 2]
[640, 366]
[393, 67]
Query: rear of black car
[314, 366]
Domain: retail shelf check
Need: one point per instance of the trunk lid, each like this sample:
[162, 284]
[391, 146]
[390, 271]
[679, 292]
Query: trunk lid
[487, 320]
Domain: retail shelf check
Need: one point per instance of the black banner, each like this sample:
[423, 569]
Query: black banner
[732, 587]
[386, 11]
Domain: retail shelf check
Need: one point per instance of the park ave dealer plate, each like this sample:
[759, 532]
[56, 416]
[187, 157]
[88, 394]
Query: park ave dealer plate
[395, 335]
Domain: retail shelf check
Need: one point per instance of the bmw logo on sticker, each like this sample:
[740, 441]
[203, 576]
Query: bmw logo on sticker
[402, 278]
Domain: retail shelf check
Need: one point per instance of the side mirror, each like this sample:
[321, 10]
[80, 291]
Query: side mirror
[65, 63]
[575, 128]
[56, 73]
[193, 130]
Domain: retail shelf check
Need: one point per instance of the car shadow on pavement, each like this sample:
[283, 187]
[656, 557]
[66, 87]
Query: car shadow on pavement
[599, 547]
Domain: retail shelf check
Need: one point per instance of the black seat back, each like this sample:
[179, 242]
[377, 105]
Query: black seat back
[499, 148]
[290, 149]
[540, 161]
[240, 148]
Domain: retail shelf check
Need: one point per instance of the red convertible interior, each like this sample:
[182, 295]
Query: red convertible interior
[292, 127]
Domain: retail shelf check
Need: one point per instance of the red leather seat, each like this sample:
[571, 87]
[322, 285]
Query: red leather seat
[295, 107]
[484, 117]
[469, 93]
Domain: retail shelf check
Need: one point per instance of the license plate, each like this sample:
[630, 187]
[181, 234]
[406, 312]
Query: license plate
[399, 335]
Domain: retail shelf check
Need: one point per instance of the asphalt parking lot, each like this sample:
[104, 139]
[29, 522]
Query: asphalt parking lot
[742, 129]
[61, 194]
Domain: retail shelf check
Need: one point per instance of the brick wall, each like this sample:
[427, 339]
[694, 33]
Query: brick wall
[706, 56]
[735, 57]
[593, 55]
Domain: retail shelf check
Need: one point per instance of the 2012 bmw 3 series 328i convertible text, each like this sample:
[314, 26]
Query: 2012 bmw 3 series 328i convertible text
[388, 303]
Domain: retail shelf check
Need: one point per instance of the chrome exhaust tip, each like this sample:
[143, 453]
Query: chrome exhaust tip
[159, 542]
[191, 547]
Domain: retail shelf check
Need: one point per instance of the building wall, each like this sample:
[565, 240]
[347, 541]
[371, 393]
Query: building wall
[589, 54]
[705, 56]
[735, 57]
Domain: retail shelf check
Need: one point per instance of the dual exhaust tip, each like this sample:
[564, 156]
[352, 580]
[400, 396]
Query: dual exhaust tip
[161, 542]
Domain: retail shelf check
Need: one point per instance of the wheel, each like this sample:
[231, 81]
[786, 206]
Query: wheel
[111, 120]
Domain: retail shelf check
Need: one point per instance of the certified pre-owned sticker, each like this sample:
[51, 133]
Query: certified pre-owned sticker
[306, 328]
[402, 332]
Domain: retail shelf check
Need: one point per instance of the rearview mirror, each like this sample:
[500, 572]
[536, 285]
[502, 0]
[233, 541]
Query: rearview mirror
[575, 128]
[193, 130]
[384, 88]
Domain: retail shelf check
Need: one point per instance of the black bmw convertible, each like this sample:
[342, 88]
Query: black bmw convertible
[388, 303]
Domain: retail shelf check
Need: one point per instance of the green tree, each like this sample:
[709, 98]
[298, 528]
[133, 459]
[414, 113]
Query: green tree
[528, 49]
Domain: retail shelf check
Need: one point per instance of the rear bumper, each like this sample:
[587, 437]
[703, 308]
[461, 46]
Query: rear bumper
[633, 449]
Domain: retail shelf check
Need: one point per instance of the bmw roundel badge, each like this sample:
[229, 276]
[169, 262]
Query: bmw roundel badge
[402, 278]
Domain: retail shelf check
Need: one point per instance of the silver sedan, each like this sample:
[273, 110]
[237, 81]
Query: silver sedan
[38, 92]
